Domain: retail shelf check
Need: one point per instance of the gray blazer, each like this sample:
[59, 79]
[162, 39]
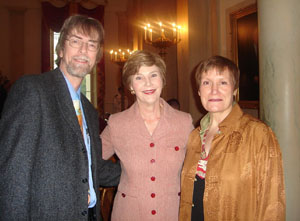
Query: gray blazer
[43, 159]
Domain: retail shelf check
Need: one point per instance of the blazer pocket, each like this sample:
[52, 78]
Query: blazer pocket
[175, 153]
[125, 190]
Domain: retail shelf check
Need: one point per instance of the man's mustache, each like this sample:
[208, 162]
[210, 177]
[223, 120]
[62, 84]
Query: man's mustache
[82, 58]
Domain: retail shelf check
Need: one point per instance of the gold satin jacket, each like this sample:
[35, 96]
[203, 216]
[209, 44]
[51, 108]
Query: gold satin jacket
[244, 176]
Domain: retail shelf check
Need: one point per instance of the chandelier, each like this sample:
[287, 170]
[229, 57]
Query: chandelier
[162, 36]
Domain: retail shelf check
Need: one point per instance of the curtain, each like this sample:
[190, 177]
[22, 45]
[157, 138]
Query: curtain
[52, 19]
[97, 13]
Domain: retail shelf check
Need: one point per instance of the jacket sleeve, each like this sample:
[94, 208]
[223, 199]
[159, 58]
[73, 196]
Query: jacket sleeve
[107, 145]
[19, 129]
[270, 193]
[109, 173]
[191, 127]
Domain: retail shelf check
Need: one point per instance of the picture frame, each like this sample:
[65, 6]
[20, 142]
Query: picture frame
[244, 43]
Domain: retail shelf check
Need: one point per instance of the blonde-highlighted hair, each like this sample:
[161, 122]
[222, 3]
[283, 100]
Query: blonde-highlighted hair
[139, 59]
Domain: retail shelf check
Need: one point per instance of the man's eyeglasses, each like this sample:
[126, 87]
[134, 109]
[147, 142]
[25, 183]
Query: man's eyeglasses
[77, 43]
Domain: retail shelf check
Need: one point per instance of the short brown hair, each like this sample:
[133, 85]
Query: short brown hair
[220, 64]
[84, 25]
[139, 59]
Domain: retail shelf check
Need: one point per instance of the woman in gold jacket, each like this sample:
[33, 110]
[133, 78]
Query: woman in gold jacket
[233, 166]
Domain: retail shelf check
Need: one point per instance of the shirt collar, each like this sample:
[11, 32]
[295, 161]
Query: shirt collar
[74, 94]
[204, 124]
[233, 119]
[228, 123]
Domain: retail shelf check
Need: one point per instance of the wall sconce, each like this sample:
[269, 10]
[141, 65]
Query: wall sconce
[120, 56]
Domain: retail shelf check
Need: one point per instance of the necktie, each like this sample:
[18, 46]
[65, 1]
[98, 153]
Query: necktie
[76, 104]
[77, 108]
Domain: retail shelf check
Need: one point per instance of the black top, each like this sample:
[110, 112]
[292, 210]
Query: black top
[197, 208]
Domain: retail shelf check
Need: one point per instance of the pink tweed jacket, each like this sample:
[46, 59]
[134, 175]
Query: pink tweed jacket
[149, 188]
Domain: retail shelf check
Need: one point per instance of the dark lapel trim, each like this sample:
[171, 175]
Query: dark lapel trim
[94, 134]
[88, 120]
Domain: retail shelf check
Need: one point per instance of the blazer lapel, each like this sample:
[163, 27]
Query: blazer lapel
[95, 147]
[65, 103]
[87, 114]
[164, 127]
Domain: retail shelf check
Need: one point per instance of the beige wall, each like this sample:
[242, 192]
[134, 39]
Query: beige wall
[195, 47]
[21, 41]
[113, 38]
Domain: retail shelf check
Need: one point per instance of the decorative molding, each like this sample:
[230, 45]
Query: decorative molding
[16, 9]
[89, 4]
[234, 16]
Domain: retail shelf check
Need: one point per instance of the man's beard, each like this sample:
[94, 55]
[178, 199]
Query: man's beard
[79, 70]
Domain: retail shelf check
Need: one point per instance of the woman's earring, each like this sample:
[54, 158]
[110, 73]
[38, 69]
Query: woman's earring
[132, 92]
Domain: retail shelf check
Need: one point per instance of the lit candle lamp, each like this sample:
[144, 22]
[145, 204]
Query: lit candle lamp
[150, 34]
[174, 34]
[178, 33]
[174, 31]
[145, 33]
[111, 54]
[120, 55]
[161, 29]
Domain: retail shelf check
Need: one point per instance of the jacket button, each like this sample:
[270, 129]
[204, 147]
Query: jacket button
[84, 180]
[84, 213]
[152, 161]
[153, 195]
[83, 150]
[153, 212]
[153, 178]
[123, 195]
[151, 144]
[176, 148]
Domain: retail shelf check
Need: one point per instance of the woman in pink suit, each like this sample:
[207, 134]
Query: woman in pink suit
[150, 140]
